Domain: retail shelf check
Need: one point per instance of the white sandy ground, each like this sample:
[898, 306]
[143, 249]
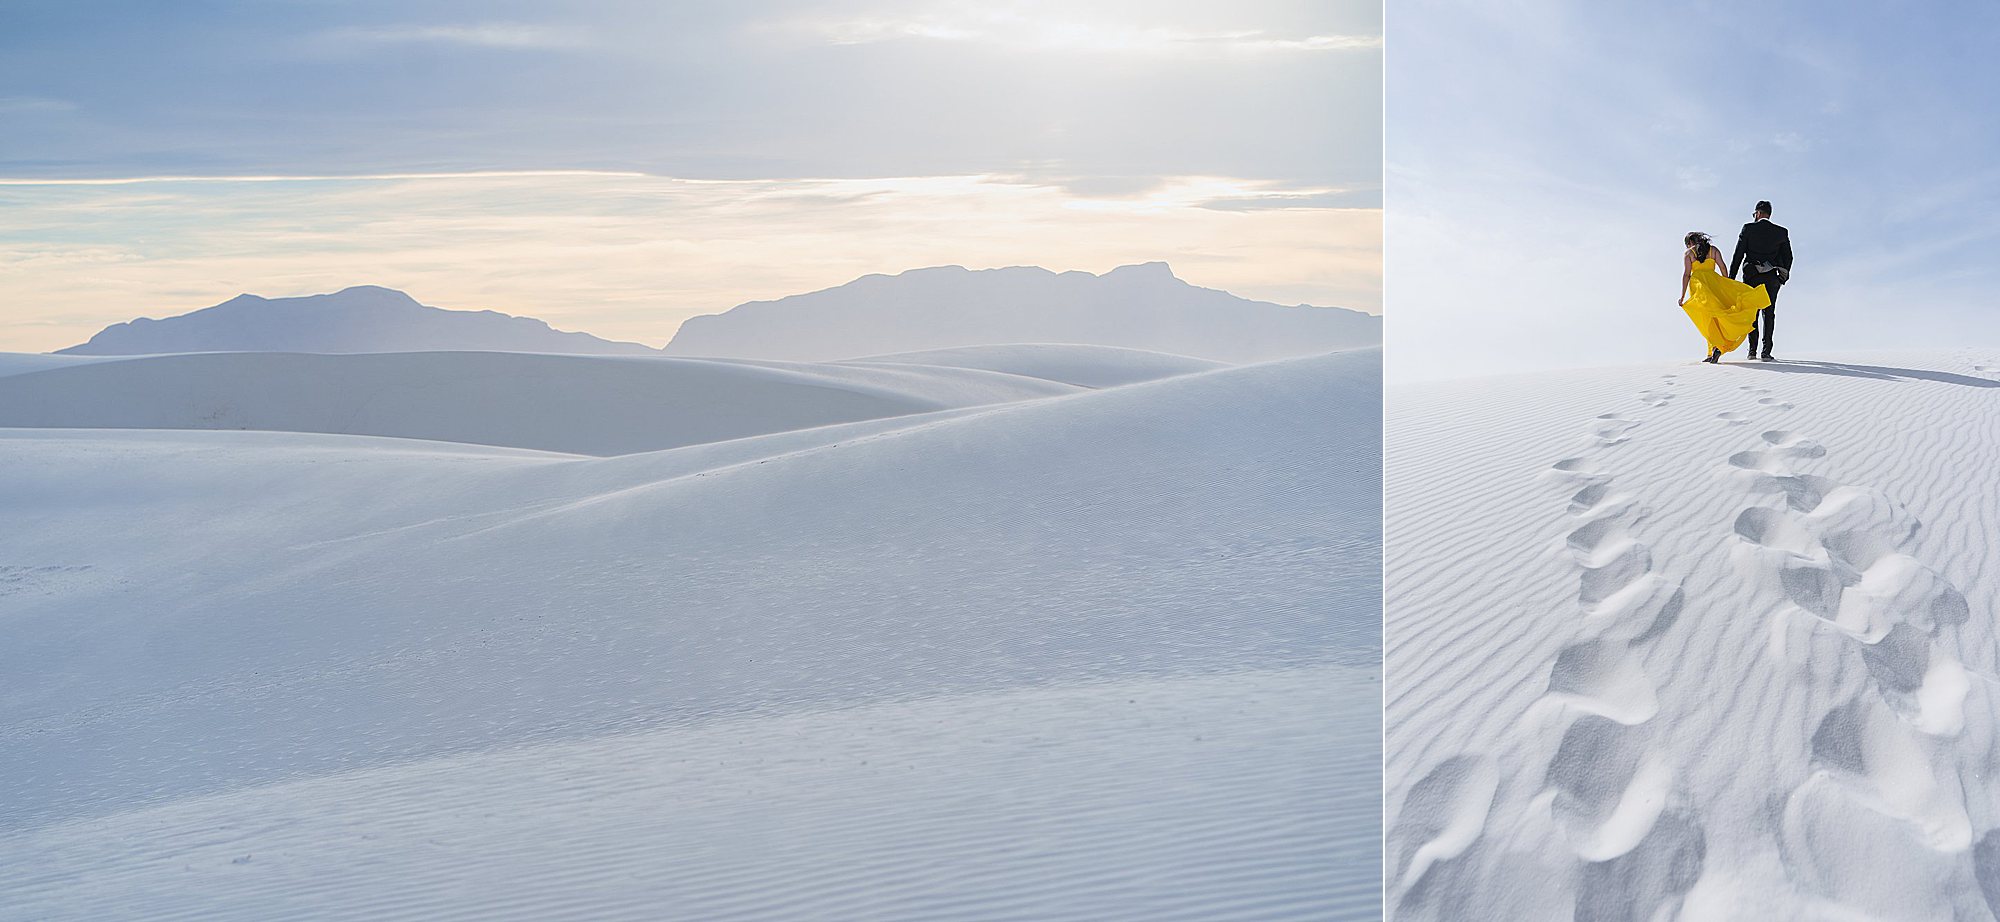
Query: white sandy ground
[597, 405]
[1081, 365]
[1106, 654]
[1694, 642]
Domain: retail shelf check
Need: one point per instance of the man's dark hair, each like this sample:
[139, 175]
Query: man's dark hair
[1764, 208]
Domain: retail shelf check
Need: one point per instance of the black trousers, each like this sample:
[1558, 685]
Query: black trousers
[1767, 319]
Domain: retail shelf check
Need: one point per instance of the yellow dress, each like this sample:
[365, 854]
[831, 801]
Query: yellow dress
[1722, 308]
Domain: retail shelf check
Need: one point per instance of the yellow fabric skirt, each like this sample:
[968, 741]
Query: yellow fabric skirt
[1722, 308]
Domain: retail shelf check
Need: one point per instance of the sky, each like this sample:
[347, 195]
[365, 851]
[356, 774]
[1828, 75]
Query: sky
[1545, 159]
[616, 166]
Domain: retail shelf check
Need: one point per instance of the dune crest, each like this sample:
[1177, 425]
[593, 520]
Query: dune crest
[992, 660]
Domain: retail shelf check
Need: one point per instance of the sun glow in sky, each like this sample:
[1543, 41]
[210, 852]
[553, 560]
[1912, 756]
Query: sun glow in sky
[617, 167]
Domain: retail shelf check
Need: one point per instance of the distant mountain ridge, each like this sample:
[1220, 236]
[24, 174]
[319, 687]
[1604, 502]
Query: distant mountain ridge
[364, 318]
[1143, 306]
[1140, 306]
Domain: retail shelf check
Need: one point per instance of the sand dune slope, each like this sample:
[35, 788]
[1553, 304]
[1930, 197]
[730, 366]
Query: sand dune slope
[1084, 366]
[1694, 642]
[594, 405]
[1034, 660]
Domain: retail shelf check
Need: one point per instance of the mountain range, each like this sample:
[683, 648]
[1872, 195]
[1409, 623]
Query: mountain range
[1135, 307]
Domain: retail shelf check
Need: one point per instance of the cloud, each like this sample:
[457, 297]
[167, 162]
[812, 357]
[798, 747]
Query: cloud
[1694, 178]
[1324, 198]
[1085, 185]
[355, 177]
[9, 104]
[1790, 142]
[501, 35]
[1033, 33]
[689, 89]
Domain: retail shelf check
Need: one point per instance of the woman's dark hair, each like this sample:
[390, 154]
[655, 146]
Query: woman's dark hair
[1700, 242]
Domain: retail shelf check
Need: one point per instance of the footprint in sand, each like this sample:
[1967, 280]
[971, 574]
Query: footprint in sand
[1837, 841]
[1589, 498]
[1611, 429]
[1891, 587]
[1839, 560]
[1606, 791]
[1883, 762]
[1609, 568]
[1649, 881]
[1923, 685]
[1577, 469]
[1803, 492]
[1774, 403]
[1774, 529]
[1791, 445]
[1757, 460]
[1986, 866]
[1783, 447]
[1604, 677]
[1805, 572]
[1443, 815]
[1638, 612]
[1733, 418]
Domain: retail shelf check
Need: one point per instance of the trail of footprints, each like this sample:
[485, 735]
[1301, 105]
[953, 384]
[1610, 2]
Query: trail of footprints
[1606, 789]
[1836, 551]
[1609, 793]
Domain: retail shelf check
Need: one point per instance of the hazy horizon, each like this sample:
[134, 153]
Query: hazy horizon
[616, 168]
[219, 300]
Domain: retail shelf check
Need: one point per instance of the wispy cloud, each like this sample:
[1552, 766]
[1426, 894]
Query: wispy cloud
[1790, 142]
[1318, 198]
[1150, 87]
[11, 104]
[1035, 33]
[1216, 193]
[1695, 178]
[502, 35]
[357, 177]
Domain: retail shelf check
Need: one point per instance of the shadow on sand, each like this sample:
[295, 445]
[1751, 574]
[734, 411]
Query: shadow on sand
[1878, 372]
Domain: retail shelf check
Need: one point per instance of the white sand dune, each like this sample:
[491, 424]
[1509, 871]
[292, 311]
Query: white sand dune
[16, 363]
[595, 405]
[1081, 365]
[1694, 642]
[1039, 659]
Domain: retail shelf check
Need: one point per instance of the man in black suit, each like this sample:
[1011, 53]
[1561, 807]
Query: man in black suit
[1764, 255]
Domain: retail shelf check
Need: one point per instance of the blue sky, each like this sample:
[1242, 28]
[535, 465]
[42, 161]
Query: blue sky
[971, 129]
[1544, 159]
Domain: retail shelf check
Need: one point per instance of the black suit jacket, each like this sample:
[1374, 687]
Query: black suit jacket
[1761, 242]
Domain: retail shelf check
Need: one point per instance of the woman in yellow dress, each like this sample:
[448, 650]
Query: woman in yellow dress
[1722, 308]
